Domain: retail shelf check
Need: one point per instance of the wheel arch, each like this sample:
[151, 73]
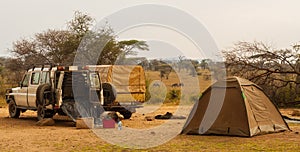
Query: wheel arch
[8, 95]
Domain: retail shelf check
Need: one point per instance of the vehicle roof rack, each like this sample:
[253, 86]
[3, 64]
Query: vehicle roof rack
[42, 66]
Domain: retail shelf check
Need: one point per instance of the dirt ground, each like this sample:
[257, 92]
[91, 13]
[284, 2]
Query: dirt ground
[24, 135]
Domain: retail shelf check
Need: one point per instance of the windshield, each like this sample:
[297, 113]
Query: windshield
[94, 79]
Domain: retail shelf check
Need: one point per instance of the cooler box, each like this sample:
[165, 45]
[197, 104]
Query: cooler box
[108, 123]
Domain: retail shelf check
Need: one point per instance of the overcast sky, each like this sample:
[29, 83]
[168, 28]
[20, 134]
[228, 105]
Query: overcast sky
[273, 21]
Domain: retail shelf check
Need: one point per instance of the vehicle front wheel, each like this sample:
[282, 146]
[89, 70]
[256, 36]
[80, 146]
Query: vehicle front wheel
[14, 112]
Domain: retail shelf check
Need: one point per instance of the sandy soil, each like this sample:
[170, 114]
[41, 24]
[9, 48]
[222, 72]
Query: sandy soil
[24, 135]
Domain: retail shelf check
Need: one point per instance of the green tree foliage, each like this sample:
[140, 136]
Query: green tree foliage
[174, 95]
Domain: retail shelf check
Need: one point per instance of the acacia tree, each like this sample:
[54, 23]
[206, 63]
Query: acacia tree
[127, 48]
[57, 46]
[51, 46]
[61, 46]
[275, 70]
[103, 39]
[205, 63]
[80, 24]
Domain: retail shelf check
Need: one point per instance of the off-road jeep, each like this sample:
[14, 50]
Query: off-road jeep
[73, 91]
[50, 90]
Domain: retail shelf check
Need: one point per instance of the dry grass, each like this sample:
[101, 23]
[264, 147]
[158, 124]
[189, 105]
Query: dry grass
[208, 143]
[296, 113]
[189, 92]
[271, 142]
[24, 135]
[180, 77]
[2, 102]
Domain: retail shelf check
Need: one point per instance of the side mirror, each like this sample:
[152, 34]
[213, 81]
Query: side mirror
[21, 84]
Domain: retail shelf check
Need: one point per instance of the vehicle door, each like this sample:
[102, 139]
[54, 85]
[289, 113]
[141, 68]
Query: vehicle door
[21, 93]
[96, 92]
[33, 85]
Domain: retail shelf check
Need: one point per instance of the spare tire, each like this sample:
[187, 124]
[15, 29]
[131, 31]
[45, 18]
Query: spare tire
[109, 93]
[40, 92]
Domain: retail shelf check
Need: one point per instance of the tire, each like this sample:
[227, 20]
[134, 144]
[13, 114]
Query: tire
[40, 93]
[42, 112]
[14, 112]
[109, 93]
[42, 102]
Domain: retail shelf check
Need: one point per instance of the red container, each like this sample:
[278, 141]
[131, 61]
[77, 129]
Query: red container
[109, 123]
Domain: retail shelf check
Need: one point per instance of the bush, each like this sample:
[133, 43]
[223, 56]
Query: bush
[2, 86]
[174, 95]
[194, 98]
[2, 102]
[295, 113]
[283, 97]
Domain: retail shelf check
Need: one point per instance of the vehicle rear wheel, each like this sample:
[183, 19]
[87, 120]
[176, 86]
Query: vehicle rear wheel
[14, 112]
[42, 112]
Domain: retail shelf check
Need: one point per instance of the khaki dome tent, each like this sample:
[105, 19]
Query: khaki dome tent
[246, 111]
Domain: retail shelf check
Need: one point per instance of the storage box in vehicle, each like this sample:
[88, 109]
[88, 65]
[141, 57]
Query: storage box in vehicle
[128, 80]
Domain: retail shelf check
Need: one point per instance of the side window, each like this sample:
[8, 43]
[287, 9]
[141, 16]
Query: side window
[45, 77]
[25, 80]
[35, 78]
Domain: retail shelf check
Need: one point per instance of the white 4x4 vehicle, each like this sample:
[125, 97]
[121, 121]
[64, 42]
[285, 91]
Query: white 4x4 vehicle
[50, 90]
